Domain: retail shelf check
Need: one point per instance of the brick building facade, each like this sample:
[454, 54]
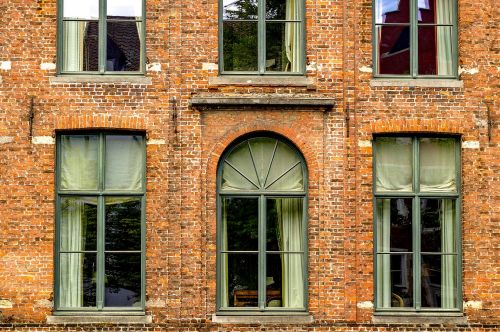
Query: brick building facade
[190, 115]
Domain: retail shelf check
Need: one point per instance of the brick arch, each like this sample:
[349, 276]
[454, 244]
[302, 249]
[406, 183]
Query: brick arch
[94, 121]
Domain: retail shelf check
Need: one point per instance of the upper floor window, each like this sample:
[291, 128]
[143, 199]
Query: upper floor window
[101, 36]
[415, 38]
[261, 36]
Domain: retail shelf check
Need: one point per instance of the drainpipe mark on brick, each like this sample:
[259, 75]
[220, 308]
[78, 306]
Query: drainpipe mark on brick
[470, 145]
[47, 140]
[365, 305]
[5, 65]
[47, 66]
[6, 139]
[473, 304]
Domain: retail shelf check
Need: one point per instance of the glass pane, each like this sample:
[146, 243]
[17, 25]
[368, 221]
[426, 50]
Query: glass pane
[88, 9]
[435, 11]
[122, 280]
[288, 179]
[435, 50]
[124, 162]
[439, 284]
[393, 50]
[123, 223]
[240, 224]
[284, 224]
[285, 280]
[262, 150]
[240, 9]
[392, 11]
[80, 46]
[394, 281]
[232, 180]
[277, 9]
[241, 159]
[79, 162]
[394, 225]
[437, 165]
[123, 50]
[284, 50]
[77, 280]
[124, 8]
[78, 226]
[393, 164]
[438, 225]
[240, 46]
[239, 280]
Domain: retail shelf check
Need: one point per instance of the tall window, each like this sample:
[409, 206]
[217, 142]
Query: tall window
[417, 233]
[415, 38]
[261, 36]
[261, 256]
[100, 222]
[101, 36]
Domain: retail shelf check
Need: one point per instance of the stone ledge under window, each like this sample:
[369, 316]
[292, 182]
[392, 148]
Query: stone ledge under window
[262, 80]
[100, 319]
[244, 101]
[419, 319]
[424, 83]
[260, 319]
[110, 79]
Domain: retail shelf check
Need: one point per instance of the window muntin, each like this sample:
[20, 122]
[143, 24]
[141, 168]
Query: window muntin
[261, 228]
[101, 36]
[261, 37]
[100, 228]
[415, 38]
[417, 230]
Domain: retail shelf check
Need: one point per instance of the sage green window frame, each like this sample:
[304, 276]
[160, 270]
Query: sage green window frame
[262, 195]
[102, 42]
[414, 43]
[100, 194]
[261, 42]
[416, 195]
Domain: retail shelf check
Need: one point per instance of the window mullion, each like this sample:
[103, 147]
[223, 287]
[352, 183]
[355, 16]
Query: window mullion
[100, 253]
[414, 38]
[416, 226]
[262, 253]
[261, 38]
[102, 36]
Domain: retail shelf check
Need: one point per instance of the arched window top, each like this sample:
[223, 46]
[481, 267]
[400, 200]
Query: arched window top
[263, 164]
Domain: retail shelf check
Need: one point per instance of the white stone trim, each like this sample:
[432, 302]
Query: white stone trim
[5, 65]
[365, 305]
[473, 304]
[365, 144]
[470, 145]
[156, 142]
[48, 140]
[6, 139]
[47, 66]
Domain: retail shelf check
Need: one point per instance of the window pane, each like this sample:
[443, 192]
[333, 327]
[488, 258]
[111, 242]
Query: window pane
[393, 164]
[393, 46]
[281, 174]
[88, 9]
[239, 276]
[284, 50]
[80, 46]
[284, 224]
[240, 224]
[282, 9]
[123, 223]
[77, 278]
[435, 51]
[124, 8]
[394, 225]
[124, 162]
[435, 11]
[240, 9]
[392, 11]
[78, 226]
[439, 281]
[122, 280]
[241, 159]
[79, 162]
[394, 280]
[285, 280]
[240, 46]
[437, 165]
[438, 225]
[123, 51]
[263, 150]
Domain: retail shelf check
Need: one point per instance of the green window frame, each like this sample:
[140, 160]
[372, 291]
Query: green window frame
[251, 265]
[422, 45]
[262, 37]
[417, 230]
[92, 42]
[100, 223]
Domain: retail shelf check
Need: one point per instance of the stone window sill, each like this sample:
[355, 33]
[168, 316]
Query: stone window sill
[424, 83]
[110, 79]
[249, 80]
[418, 318]
[262, 319]
[100, 319]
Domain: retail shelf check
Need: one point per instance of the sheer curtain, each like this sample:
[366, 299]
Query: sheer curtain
[292, 36]
[384, 261]
[79, 162]
[448, 267]
[289, 214]
[437, 165]
[393, 164]
[444, 15]
[74, 36]
[124, 162]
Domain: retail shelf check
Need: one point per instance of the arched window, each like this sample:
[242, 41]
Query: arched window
[261, 233]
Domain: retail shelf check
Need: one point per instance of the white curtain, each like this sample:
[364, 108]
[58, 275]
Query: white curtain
[289, 214]
[140, 27]
[393, 164]
[444, 15]
[384, 261]
[124, 162]
[437, 165]
[448, 267]
[292, 36]
[224, 273]
[79, 162]
[74, 37]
